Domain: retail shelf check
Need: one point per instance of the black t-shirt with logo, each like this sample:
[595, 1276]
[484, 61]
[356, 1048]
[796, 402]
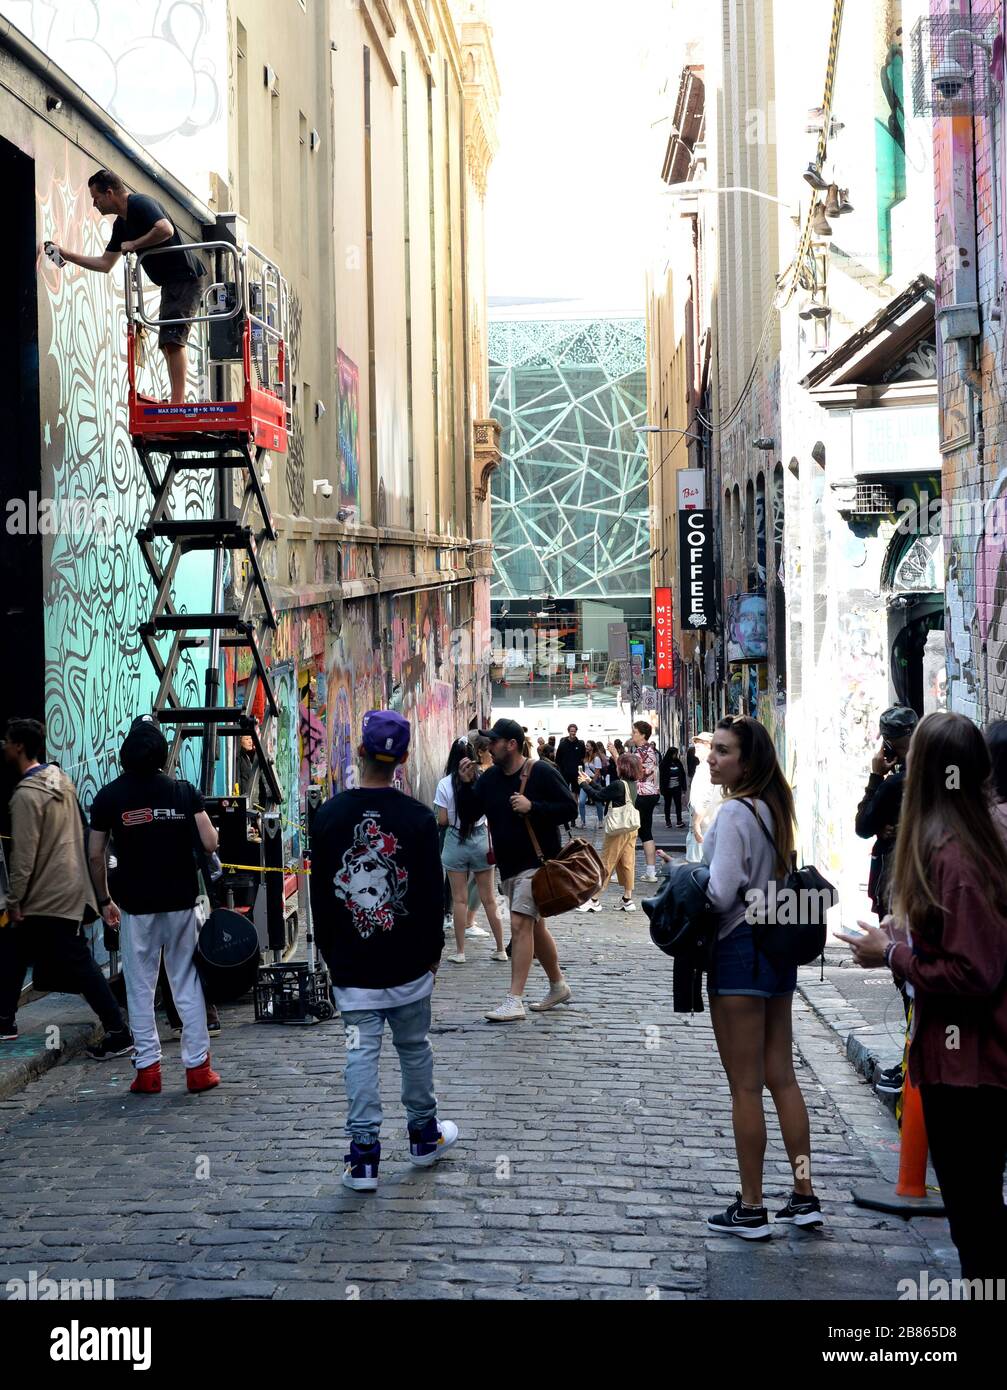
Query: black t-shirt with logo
[141, 214]
[150, 820]
[377, 888]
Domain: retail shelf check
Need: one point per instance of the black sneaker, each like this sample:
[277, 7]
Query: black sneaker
[890, 1082]
[361, 1171]
[8, 1031]
[802, 1211]
[112, 1045]
[750, 1223]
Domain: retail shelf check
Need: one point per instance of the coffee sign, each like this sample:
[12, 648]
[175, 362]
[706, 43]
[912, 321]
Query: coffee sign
[697, 571]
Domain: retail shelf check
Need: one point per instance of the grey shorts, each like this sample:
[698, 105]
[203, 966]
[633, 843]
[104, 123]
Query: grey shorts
[179, 300]
[517, 891]
[465, 856]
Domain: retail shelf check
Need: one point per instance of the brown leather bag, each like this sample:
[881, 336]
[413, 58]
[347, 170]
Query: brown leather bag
[565, 882]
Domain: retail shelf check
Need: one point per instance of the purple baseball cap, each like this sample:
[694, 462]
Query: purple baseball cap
[385, 735]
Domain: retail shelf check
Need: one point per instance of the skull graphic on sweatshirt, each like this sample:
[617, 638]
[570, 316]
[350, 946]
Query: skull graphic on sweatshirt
[371, 884]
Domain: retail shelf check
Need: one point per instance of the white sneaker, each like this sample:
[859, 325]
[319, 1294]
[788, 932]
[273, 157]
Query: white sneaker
[458, 959]
[560, 993]
[590, 906]
[499, 955]
[627, 905]
[649, 876]
[475, 931]
[510, 1011]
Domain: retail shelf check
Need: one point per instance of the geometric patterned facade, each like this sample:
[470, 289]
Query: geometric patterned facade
[570, 506]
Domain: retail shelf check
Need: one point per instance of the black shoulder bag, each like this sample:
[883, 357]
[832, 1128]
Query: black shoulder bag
[791, 928]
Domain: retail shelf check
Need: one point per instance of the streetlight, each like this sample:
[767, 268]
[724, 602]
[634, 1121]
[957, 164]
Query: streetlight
[683, 189]
[658, 429]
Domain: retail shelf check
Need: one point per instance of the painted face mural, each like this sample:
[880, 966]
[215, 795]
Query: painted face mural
[371, 884]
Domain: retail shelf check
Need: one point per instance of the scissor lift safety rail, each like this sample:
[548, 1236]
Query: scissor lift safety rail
[246, 325]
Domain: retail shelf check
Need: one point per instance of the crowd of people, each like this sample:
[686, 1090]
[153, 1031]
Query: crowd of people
[935, 805]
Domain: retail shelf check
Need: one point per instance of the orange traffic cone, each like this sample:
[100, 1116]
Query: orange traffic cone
[909, 1196]
[914, 1147]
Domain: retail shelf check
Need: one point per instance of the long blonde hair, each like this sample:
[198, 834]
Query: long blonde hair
[763, 779]
[947, 796]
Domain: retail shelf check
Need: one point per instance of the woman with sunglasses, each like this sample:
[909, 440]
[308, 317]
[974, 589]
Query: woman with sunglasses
[751, 998]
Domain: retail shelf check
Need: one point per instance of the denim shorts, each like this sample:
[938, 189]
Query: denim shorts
[466, 856]
[738, 969]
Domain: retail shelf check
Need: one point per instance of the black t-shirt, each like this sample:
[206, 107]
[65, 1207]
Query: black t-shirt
[553, 805]
[569, 756]
[150, 820]
[377, 888]
[141, 214]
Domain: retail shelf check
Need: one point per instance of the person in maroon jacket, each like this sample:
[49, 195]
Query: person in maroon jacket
[947, 939]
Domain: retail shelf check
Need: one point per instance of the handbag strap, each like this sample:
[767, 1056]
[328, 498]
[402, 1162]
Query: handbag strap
[525, 774]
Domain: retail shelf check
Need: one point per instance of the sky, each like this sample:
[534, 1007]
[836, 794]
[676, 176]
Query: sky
[571, 191]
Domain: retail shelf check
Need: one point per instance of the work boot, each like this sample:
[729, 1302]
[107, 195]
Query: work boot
[147, 1081]
[201, 1078]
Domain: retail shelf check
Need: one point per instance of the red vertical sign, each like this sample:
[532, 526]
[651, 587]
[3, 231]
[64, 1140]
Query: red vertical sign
[663, 639]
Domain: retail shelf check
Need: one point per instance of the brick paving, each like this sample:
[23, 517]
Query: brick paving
[594, 1140]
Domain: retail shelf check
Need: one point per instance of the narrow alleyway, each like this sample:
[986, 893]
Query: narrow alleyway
[594, 1140]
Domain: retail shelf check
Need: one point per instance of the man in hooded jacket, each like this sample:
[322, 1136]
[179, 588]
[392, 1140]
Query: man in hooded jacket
[154, 821]
[48, 893]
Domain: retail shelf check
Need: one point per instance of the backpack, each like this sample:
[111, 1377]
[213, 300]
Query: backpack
[801, 938]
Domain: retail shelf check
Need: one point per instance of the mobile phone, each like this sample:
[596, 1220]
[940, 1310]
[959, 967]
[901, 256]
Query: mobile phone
[853, 931]
[888, 751]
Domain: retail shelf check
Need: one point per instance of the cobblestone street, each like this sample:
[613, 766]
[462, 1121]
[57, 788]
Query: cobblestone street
[594, 1140]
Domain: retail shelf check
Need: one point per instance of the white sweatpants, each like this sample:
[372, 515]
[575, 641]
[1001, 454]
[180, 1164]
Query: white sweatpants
[142, 938]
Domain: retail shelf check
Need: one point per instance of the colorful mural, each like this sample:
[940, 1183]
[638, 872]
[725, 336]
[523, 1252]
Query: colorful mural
[98, 591]
[349, 429]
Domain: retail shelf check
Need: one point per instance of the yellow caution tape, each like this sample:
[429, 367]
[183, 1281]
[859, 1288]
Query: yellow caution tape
[270, 869]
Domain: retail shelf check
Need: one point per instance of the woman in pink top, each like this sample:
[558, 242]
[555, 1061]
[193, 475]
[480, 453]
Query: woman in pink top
[948, 939]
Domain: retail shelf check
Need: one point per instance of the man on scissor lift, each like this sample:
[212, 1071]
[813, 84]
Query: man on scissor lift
[140, 224]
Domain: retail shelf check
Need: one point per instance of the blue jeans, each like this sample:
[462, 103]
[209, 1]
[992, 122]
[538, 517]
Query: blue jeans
[410, 1025]
[599, 808]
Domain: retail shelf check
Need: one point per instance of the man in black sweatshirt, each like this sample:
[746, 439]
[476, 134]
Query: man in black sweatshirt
[377, 905]
[548, 803]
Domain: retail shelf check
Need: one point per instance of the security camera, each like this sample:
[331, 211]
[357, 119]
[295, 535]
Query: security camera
[323, 486]
[319, 409]
[949, 79]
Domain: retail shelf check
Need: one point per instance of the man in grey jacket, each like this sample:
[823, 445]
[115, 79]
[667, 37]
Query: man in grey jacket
[48, 892]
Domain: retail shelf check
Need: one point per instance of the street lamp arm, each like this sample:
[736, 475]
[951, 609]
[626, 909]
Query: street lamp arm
[684, 188]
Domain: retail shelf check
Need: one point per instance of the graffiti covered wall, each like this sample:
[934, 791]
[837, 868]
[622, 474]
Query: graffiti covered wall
[97, 589]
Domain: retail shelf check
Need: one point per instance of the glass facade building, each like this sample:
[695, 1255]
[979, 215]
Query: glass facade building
[570, 517]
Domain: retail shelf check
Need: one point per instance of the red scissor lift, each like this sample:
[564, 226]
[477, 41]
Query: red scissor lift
[231, 432]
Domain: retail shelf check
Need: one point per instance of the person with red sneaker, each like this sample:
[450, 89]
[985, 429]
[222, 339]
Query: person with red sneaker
[152, 821]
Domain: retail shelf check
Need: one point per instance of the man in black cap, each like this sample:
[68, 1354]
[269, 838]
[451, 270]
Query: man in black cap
[878, 815]
[153, 821]
[548, 803]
